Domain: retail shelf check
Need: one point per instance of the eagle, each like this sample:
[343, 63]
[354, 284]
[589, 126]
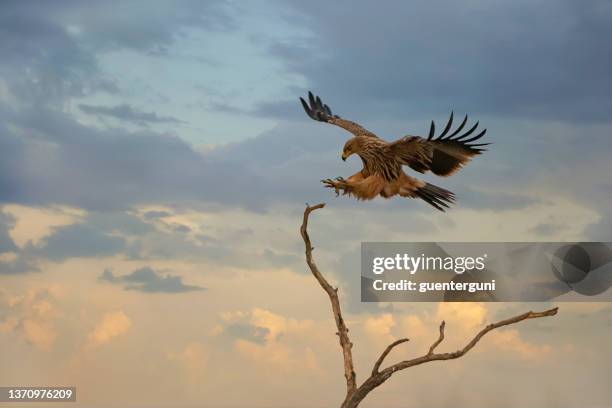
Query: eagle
[382, 173]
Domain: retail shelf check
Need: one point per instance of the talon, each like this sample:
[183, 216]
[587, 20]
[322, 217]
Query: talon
[339, 185]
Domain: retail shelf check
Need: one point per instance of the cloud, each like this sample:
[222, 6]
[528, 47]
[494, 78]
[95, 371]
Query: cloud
[193, 358]
[470, 316]
[150, 26]
[31, 316]
[146, 279]
[128, 113]
[78, 240]
[33, 223]
[82, 157]
[7, 222]
[153, 214]
[510, 340]
[43, 65]
[380, 327]
[270, 340]
[41, 335]
[548, 229]
[17, 263]
[254, 334]
[508, 63]
[111, 326]
[497, 200]
[261, 325]
[112, 168]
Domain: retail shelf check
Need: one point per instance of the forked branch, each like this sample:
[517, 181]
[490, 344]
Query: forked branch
[355, 394]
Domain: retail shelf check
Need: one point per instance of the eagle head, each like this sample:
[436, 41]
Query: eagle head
[350, 147]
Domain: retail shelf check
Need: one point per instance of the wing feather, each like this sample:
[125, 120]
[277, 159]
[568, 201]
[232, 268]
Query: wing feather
[317, 110]
[443, 155]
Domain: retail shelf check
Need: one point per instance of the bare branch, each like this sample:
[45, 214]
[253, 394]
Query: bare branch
[345, 343]
[385, 353]
[440, 338]
[354, 394]
[459, 353]
[377, 379]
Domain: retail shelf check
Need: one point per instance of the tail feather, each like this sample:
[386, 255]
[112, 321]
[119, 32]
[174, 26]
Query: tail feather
[435, 196]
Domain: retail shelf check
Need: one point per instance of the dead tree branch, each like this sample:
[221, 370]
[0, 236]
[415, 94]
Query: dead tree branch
[385, 353]
[440, 338]
[355, 394]
[345, 342]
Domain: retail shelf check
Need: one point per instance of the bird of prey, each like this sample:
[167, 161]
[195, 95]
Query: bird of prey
[382, 172]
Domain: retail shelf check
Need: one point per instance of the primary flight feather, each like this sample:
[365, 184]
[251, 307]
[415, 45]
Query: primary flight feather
[382, 172]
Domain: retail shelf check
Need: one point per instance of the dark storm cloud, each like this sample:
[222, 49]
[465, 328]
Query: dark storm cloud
[146, 279]
[544, 60]
[128, 113]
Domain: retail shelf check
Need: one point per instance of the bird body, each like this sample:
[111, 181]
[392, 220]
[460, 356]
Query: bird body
[382, 172]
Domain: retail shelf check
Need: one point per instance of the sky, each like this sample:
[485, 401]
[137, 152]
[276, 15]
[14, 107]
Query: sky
[155, 163]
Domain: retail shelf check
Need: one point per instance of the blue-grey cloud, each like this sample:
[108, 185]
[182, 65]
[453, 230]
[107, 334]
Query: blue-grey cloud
[541, 60]
[42, 65]
[495, 200]
[99, 234]
[105, 169]
[18, 262]
[22, 263]
[145, 26]
[378, 76]
[78, 240]
[128, 113]
[6, 242]
[181, 228]
[146, 279]
[152, 215]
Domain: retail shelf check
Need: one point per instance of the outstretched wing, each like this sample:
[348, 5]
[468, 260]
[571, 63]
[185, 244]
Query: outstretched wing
[444, 154]
[319, 111]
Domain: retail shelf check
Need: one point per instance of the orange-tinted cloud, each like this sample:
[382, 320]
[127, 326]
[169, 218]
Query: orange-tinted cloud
[112, 325]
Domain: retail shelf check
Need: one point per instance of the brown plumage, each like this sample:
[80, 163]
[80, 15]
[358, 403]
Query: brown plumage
[382, 172]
